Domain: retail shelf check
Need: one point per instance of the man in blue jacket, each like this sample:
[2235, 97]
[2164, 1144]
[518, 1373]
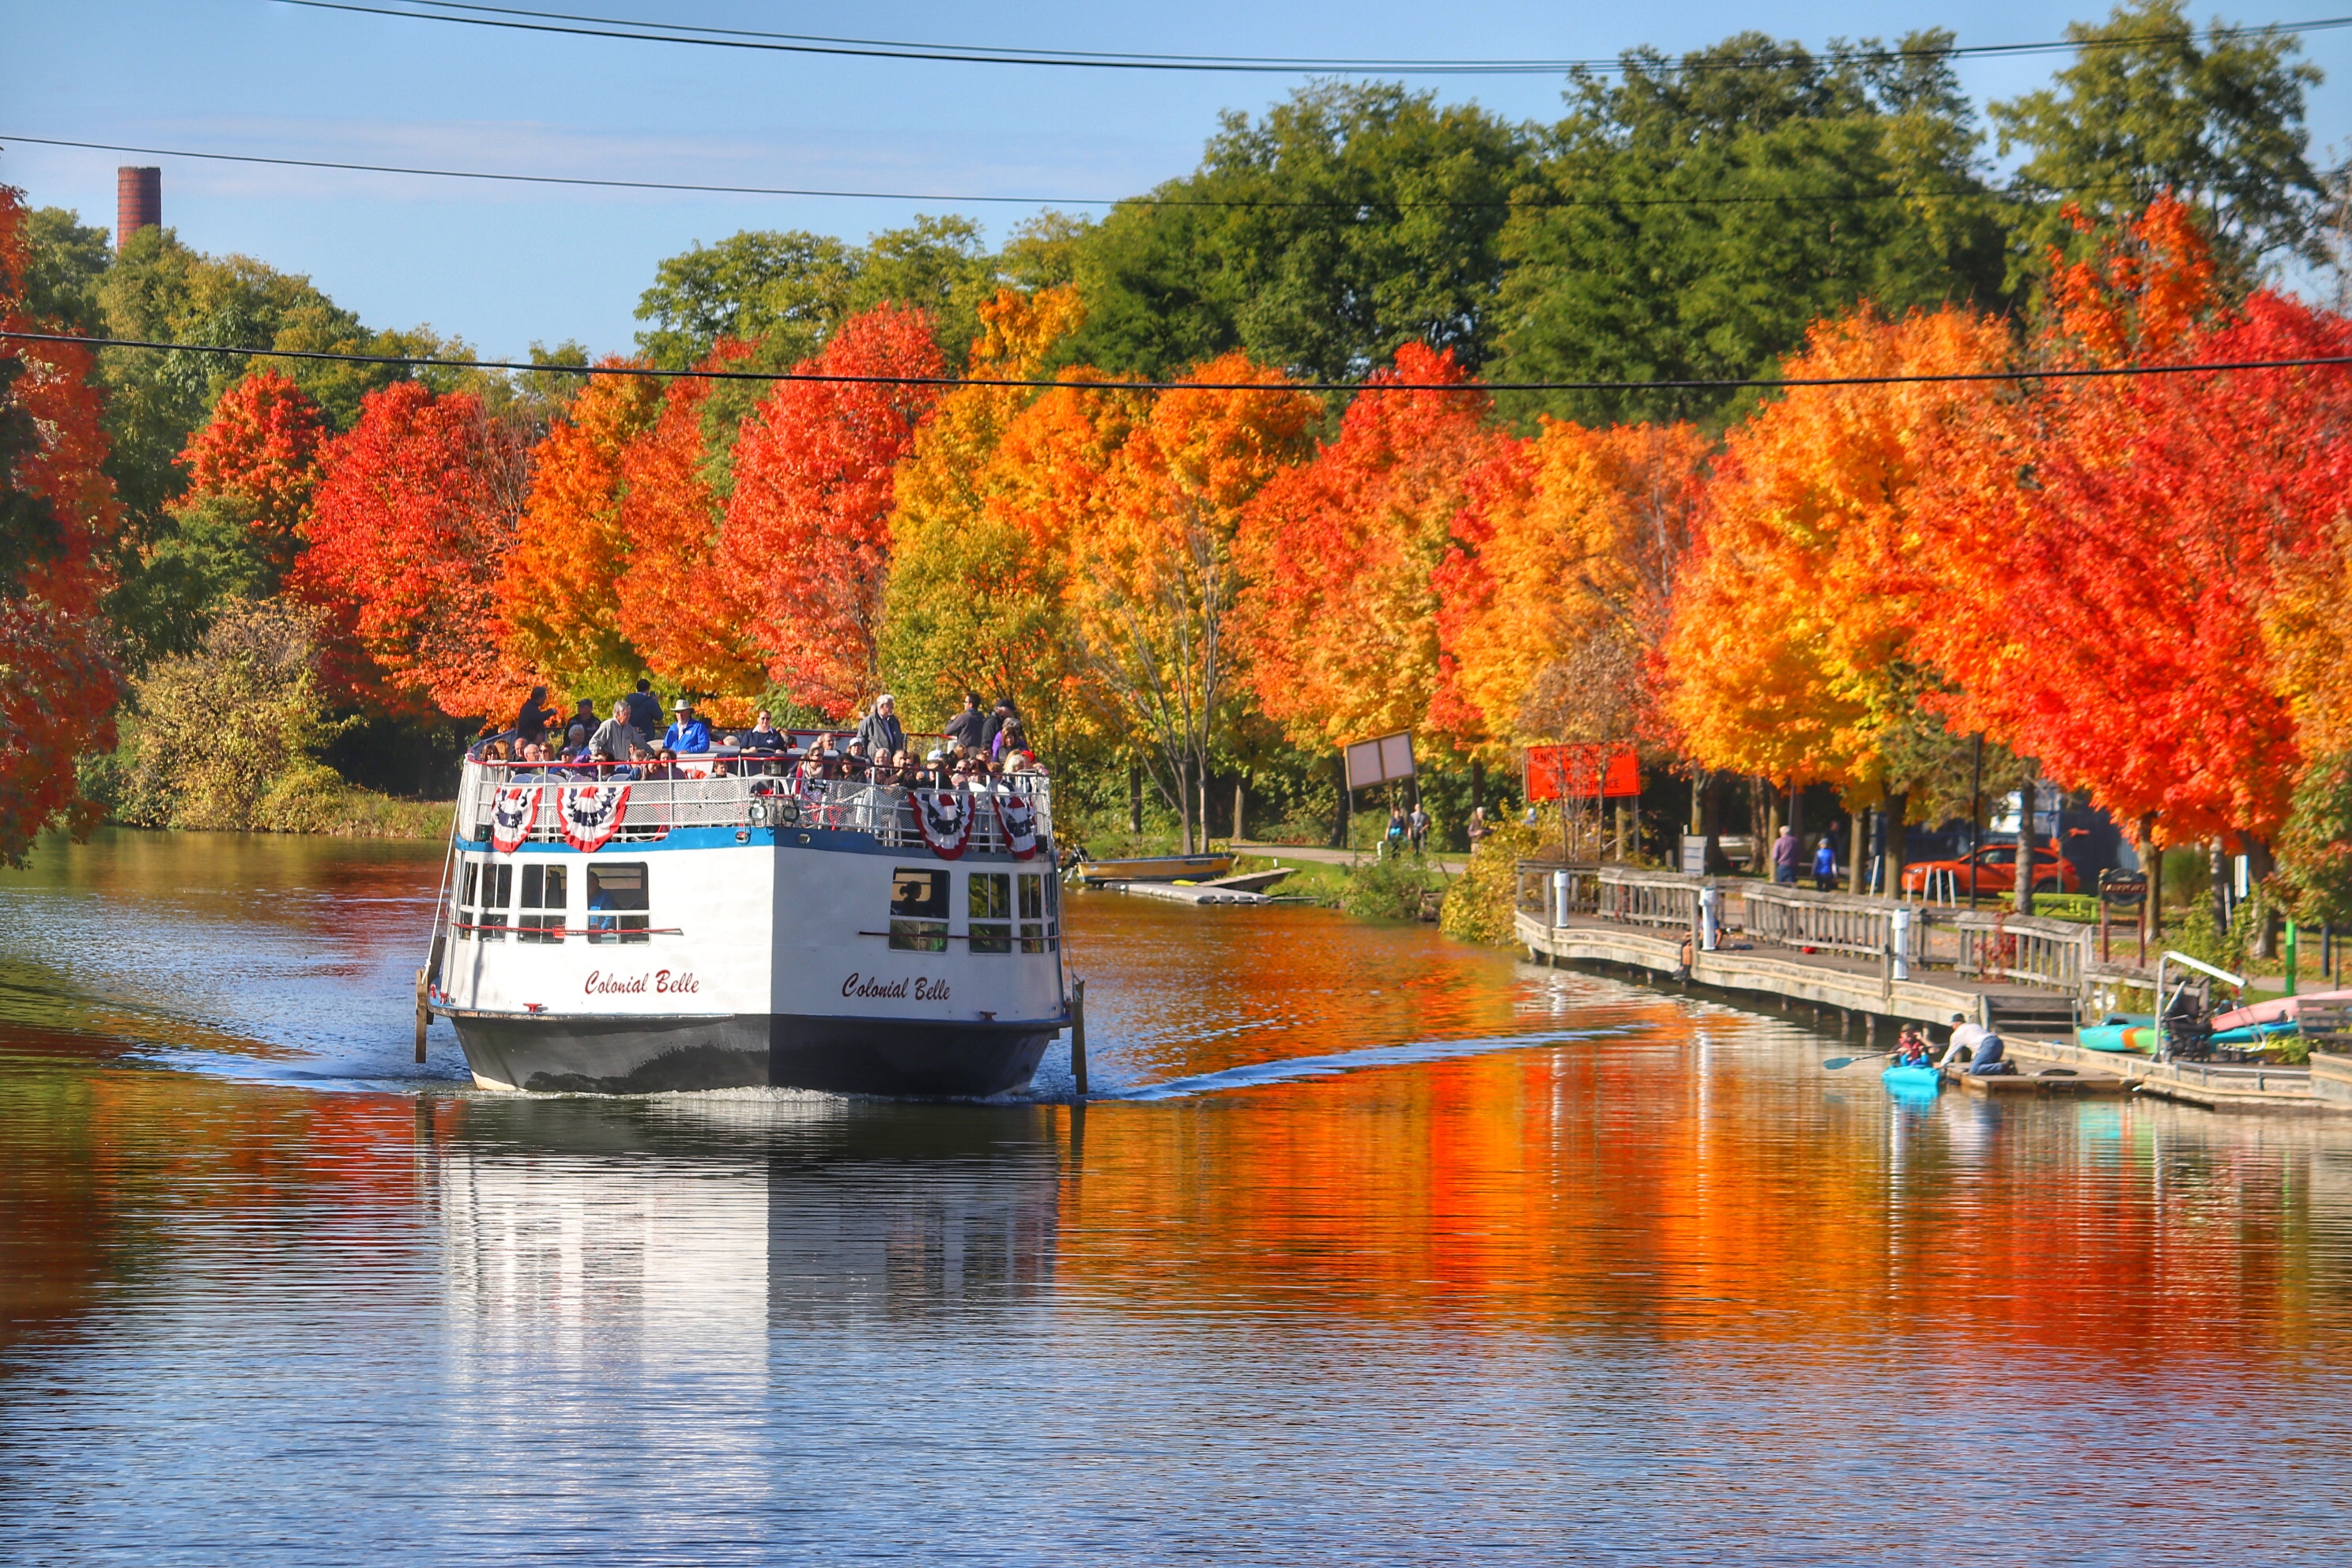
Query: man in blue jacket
[687, 735]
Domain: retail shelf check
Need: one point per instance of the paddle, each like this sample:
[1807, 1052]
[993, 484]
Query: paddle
[1836, 1062]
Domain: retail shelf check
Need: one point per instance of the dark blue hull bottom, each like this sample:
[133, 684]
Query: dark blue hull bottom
[836, 1056]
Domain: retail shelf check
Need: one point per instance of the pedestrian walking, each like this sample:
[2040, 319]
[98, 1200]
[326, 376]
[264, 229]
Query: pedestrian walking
[1417, 826]
[1825, 866]
[1785, 852]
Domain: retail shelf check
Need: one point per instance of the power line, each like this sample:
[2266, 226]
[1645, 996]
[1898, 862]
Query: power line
[1712, 384]
[634, 30]
[1235, 202]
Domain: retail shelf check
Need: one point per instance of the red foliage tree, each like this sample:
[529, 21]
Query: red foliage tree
[1339, 620]
[807, 536]
[57, 509]
[261, 447]
[2126, 540]
[404, 544]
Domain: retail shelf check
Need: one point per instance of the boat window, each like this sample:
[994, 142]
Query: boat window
[1039, 933]
[543, 903]
[616, 902]
[918, 909]
[496, 889]
[468, 875]
[988, 905]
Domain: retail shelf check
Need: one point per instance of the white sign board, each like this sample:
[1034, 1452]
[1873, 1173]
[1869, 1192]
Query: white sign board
[1694, 854]
[1378, 762]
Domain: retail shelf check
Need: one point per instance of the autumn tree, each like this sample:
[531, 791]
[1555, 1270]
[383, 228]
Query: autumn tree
[1559, 583]
[556, 592]
[1338, 618]
[1789, 651]
[1156, 586]
[672, 604]
[58, 515]
[405, 543]
[979, 531]
[2165, 544]
[806, 540]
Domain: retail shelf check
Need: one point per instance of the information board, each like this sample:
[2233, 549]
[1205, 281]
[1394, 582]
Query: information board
[1381, 761]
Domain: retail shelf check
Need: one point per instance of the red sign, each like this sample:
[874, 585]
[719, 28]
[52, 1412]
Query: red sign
[1582, 771]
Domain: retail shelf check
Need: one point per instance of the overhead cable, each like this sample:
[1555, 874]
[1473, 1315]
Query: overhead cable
[637, 30]
[1719, 383]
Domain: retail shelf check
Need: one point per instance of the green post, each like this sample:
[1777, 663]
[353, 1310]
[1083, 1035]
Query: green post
[2293, 957]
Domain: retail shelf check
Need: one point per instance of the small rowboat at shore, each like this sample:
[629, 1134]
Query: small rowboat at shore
[1908, 1080]
[1156, 868]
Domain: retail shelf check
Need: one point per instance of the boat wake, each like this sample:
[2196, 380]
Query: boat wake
[1295, 1069]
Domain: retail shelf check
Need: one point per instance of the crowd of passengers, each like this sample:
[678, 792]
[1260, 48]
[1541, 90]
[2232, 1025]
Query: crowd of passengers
[977, 748]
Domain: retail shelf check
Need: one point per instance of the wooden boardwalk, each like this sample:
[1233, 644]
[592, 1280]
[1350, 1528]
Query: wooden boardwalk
[1855, 986]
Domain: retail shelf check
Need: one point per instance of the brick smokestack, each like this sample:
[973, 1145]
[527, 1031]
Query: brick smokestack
[138, 202]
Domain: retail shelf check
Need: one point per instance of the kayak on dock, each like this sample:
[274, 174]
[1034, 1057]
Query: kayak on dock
[2139, 1038]
[1913, 1079]
[1155, 868]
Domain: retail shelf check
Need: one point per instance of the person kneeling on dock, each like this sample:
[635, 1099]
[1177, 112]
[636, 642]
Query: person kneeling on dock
[1979, 1047]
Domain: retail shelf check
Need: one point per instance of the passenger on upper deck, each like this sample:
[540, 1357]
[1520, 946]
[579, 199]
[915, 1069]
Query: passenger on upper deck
[881, 730]
[688, 736]
[967, 727]
[530, 723]
[615, 741]
[1003, 712]
[645, 710]
[762, 736]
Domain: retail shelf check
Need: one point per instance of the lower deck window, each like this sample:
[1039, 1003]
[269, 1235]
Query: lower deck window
[617, 902]
[1040, 907]
[484, 897]
[988, 901]
[543, 904]
[918, 909]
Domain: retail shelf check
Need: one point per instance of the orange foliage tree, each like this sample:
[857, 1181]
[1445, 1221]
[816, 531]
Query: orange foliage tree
[405, 542]
[1154, 585]
[805, 547]
[57, 512]
[1568, 543]
[557, 593]
[1790, 652]
[675, 606]
[1339, 619]
[979, 537]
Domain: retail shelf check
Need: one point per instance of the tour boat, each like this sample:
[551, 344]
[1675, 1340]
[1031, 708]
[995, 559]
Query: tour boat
[722, 922]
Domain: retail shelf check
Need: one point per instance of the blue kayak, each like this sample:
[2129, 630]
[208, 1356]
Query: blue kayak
[1904, 1079]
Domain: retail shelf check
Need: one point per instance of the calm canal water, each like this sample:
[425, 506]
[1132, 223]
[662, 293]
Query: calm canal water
[1388, 1250]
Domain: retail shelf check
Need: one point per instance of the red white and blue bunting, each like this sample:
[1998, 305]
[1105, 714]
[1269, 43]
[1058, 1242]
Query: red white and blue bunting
[944, 818]
[592, 814]
[1020, 821]
[514, 812]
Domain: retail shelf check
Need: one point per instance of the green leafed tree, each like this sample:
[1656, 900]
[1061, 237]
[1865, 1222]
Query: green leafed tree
[2148, 106]
[1347, 220]
[1692, 218]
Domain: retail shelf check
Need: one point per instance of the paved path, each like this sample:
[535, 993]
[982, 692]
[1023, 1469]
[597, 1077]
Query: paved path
[1296, 852]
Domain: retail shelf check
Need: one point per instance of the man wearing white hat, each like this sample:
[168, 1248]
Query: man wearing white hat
[688, 736]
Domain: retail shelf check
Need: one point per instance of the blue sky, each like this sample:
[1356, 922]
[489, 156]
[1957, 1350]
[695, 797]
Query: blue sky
[503, 266]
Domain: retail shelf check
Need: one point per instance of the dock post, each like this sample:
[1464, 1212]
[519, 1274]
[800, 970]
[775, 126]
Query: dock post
[1078, 1035]
[424, 1013]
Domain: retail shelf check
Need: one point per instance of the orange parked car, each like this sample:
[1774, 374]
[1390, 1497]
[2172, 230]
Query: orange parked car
[1995, 870]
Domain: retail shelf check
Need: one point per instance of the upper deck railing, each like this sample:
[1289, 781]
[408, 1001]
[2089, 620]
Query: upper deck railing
[555, 803]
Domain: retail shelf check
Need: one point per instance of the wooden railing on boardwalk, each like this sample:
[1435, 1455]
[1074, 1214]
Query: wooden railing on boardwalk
[1537, 889]
[1849, 923]
[2025, 949]
[1634, 895]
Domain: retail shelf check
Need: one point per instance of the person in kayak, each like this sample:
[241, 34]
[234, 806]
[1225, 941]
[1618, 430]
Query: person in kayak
[1911, 1048]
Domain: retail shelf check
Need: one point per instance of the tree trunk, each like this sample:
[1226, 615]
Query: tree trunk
[1856, 872]
[2021, 895]
[1772, 834]
[1477, 784]
[1898, 803]
[1239, 786]
[1347, 804]
[2217, 861]
[1200, 792]
[2259, 867]
[2151, 865]
[1184, 802]
[1797, 821]
[1134, 796]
